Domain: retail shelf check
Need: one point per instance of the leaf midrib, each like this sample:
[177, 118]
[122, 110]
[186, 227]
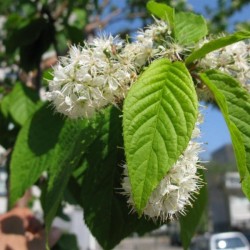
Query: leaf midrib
[159, 106]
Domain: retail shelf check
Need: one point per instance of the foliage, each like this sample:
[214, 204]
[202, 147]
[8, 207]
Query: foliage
[234, 103]
[114, 161]
[145, 112]
[67, 241]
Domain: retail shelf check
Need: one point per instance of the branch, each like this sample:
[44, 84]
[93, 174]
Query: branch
[101, 23]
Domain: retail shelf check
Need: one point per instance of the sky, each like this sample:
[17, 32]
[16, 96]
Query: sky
[243, 15]
[214, 132]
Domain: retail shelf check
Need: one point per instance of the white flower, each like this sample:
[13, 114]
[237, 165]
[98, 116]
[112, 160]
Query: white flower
[138, 53]
[153, 42]
[177, 188]
[233, 59]
[172, 51]
[101, 72]
[90, 78]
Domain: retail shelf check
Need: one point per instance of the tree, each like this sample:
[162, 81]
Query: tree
[153, 83]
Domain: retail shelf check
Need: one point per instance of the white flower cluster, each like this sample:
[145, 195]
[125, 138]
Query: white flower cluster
[233, 59]
[101, 72]
[90, 77]
[177, 188]
[148, 44]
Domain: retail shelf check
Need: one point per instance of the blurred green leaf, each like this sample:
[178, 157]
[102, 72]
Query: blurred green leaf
[75, 137]
[75, 34]
[163, 12]
[30, 54]
[21, 103]
[79, 18]
[33, 38]
[189, 28]
[47, 76]
[5, 105]
[60, 213]
[25, 35]
[8, 134]
[35, 145]
[243, 26]
[66, 242]
[15, 22]
[62, 41]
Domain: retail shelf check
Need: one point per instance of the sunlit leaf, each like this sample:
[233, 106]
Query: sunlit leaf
[162, 11]
[189, 28]
[23, 102]
[234, 103]
[159, 115]
[217, 44]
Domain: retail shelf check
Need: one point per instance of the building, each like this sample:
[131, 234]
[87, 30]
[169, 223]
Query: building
[228, 207]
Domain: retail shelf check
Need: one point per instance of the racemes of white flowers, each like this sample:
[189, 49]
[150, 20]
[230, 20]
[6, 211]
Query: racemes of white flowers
[152, 43]
[90, 77]
[147, 43]
[102, 71]
[233, 59]
[177, 189]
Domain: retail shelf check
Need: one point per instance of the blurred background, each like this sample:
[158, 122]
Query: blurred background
[33, 34]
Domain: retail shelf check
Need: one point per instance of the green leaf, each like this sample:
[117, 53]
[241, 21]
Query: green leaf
[234, 103]
[191, 220]
[23, 102]
[22, 36]
[47, 142]
[75, 34]
[32, 37]
[216, 44]
[189, 28]
[14, 21]
[66, 242]
[47, 76]
[75, 137]
[30, 54]
[79, 20]
[33, 149]
[162, 11]
[5, 105]
[160, 112]
[105, 208]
